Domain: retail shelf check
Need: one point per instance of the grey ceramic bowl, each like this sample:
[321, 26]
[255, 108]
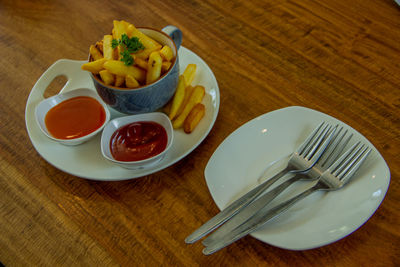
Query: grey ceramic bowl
[150, 97]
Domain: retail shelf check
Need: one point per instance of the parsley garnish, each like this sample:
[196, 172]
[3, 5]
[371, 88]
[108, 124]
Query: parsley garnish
[127, 58]
[129, 46]
[114, 43]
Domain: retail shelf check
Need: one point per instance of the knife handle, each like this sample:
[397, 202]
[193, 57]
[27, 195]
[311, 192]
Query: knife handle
[256, 221]
[249, 211]
[233, 208]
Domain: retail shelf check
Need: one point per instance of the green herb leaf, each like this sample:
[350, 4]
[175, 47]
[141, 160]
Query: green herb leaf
[127, 58]
[128, 47]
[133, 45]
[114, 43]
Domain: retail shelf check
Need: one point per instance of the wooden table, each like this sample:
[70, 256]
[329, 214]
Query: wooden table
[339, 57]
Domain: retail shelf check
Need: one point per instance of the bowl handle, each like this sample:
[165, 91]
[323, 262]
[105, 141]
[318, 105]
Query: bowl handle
[175, 34]
[69, 68]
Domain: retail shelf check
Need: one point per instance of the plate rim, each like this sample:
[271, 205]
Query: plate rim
[215, 104]
[257, 234]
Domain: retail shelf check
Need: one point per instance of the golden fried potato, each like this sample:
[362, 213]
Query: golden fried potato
[128, 29]
[131, 82]
[119, 68]
[154, 67]
[178, 97]
[166, 53]
[107, 77]
[167, 108]
[119, 80]
[94, 66]
[99, 45]
[119, 29]
[188, 93]
[189, 73]
[149, 44]
[108, 51]
[141, 63]
[165, 66]
[194, 117]
[95, 53]
[196, 97]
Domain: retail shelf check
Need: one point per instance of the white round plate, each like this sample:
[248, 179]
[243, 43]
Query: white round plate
[322, 218]
[86, 160]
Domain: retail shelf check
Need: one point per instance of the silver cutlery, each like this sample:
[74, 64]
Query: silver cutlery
[304, 158]
[335, 177]
[338, 143]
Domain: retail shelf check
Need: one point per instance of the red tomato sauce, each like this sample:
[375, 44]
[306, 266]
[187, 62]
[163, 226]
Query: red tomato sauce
[75, 117]
[138, 141]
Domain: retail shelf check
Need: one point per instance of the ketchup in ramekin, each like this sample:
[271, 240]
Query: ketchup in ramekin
[138, 141]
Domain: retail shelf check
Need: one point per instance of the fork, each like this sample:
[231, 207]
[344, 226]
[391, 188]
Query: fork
[304, 158]
[331, 154]
[335, 177]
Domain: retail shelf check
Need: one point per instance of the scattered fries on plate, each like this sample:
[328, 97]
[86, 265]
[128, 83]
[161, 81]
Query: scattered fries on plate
[185, 110]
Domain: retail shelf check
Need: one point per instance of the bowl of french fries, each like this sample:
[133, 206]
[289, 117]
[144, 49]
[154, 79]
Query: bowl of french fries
[135, 70]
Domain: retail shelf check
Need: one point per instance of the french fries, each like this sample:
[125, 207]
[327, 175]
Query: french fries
[108, 51]
[142, 63]
[166, 53]
[178, 97]
[119, 29]
[107, 77]
[185, 109]
[189, 73]
[154, 67]
[128, 58]
[128, 51]
[119, 80]
[195, 98]
[119, 68]
[167, 108]
[95, 66]
[131, 82]
[194, 117]
[117, 32]
[165, 66]
[149, 44]
[99, 46]
[188, 93]
[95, 53]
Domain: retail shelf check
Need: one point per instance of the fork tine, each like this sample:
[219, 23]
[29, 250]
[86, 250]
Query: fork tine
[322, 136]
[310, 137]
[347, 163]
[336, 155]
[340, 161]
[356, 166]
[320, 148]
[331, 146]
[316, 138]
[335, 148]
[352, 160]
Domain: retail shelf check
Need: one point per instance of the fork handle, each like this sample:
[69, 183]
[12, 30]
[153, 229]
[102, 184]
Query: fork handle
[234, 208]
[248, 212]
[259, 219]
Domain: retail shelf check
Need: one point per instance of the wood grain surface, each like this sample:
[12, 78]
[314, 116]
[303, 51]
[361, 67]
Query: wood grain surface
[339, 57]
